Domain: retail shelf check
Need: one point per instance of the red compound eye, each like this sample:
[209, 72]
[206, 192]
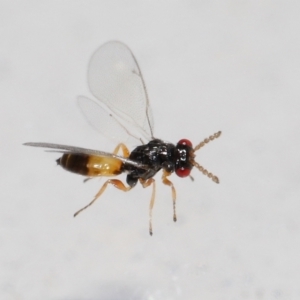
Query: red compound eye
[183, 172]
[185, 142]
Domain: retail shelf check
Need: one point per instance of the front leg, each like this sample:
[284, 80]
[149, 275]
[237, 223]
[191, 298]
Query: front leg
[146, 183]
[166, 181]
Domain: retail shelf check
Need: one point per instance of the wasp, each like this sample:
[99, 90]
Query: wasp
[122, 109]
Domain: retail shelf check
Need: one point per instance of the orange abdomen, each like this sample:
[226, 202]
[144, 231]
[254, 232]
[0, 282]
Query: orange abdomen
[89, 165]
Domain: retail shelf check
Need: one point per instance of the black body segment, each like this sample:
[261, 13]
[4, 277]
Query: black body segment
[75, 163]
[184, 155]
[157, 155]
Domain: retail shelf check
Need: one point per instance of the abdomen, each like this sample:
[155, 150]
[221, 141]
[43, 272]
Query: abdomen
[89, 165]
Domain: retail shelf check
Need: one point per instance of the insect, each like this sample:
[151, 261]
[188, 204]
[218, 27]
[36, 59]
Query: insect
[122, 109]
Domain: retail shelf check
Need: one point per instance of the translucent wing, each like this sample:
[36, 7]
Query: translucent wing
[115, 79]
[78, 150]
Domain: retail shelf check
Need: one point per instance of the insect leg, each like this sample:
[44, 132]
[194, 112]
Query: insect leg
[125, 150]
[166, 181]
[115, 182]
[87, 179]
[146, 183]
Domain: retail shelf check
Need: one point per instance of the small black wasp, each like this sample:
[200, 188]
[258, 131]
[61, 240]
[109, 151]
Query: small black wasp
[122, 106]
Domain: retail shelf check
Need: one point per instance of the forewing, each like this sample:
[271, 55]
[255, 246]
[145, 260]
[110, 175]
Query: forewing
[115, 79]
[78, 150]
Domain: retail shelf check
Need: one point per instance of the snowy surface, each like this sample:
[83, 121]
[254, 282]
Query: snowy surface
[208, 65]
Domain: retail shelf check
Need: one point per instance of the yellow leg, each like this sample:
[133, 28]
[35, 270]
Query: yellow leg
[166, 181]
[146, 183]
[115, 182]
[125, 150]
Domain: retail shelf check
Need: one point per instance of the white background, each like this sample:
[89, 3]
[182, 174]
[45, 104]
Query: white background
[208, 65]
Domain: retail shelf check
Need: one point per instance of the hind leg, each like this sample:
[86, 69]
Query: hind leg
[115, 182]
[166, 181]
[125, 150]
